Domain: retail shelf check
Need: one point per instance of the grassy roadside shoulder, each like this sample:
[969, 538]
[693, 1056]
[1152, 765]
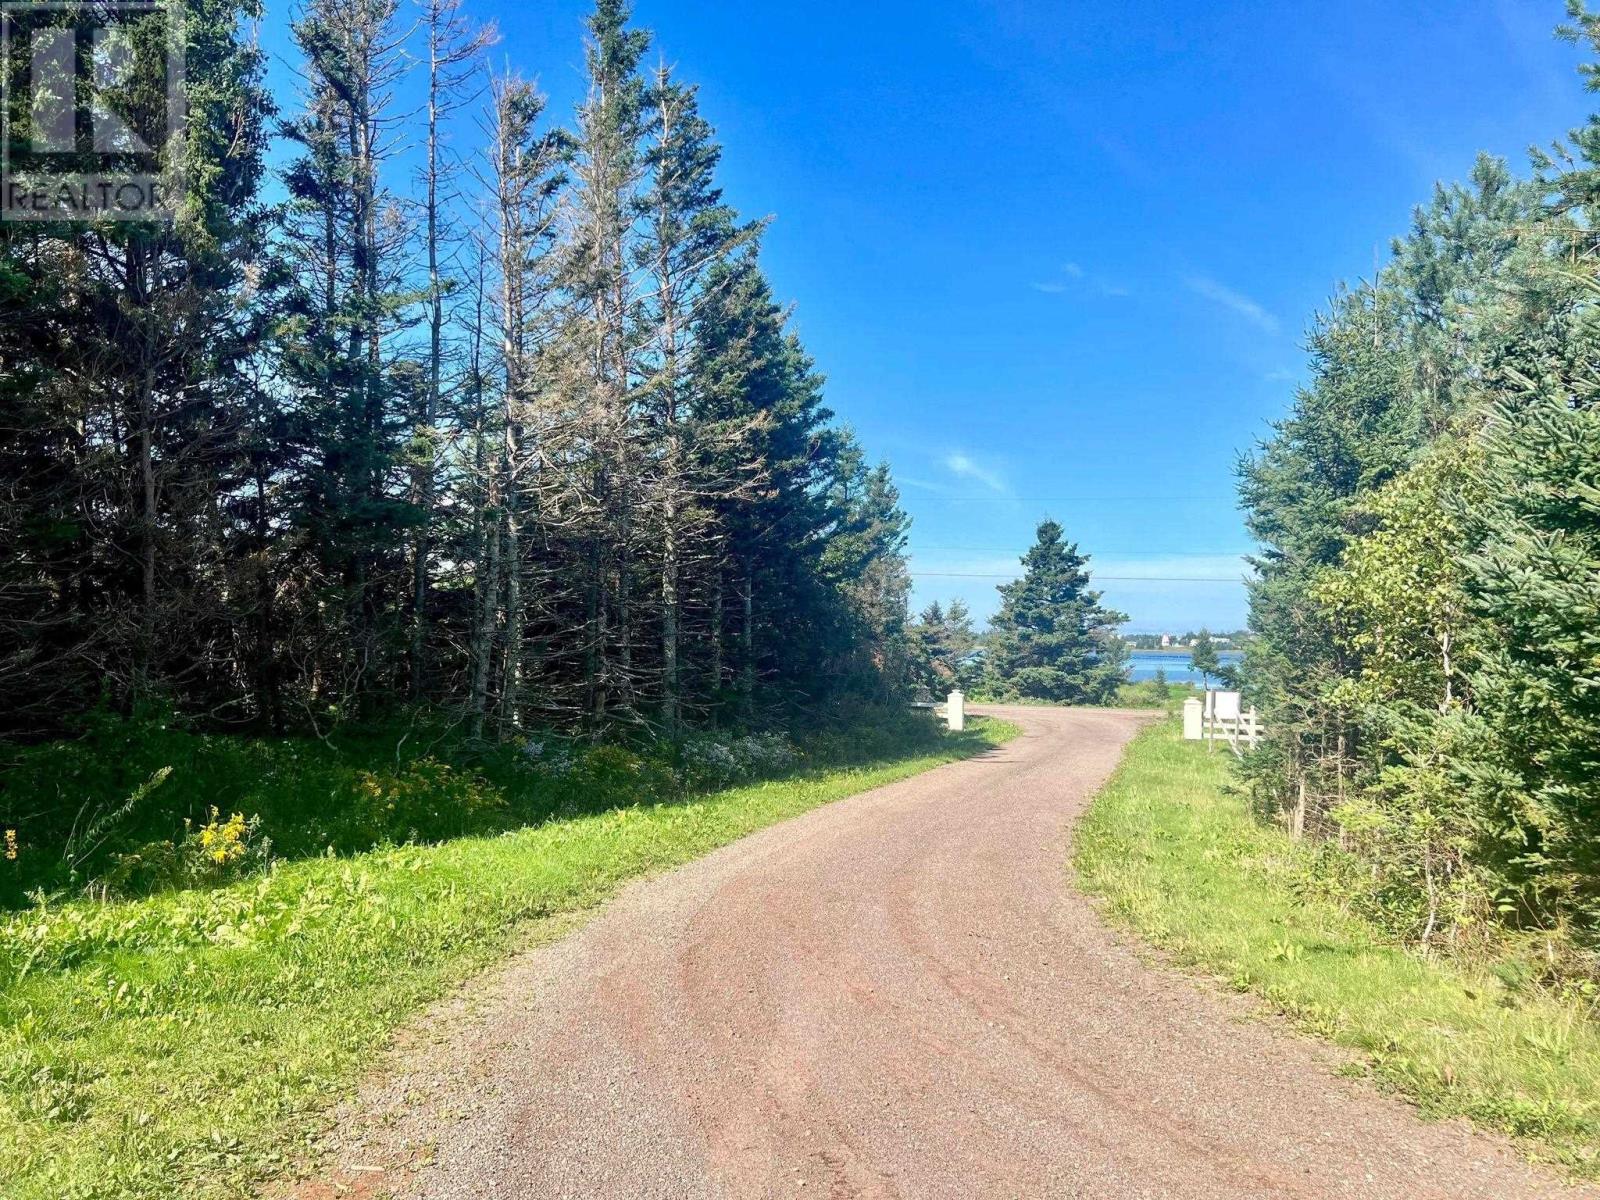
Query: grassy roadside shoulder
[1181, 860]
[179, 1046]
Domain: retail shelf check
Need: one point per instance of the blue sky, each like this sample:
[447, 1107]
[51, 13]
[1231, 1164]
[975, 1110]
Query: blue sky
[1058, 258]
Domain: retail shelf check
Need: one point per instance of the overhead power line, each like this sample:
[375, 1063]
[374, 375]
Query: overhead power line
[994, 498]
[1097, 553]
[1092, 579]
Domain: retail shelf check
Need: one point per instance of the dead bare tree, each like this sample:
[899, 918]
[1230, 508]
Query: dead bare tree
[528, 176]
[455, 49]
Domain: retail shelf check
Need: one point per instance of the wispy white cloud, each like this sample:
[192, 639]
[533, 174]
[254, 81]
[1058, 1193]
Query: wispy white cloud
[964, 467]
[1235, 302]
[925, 485]
[1073, 277]
[1281, 376]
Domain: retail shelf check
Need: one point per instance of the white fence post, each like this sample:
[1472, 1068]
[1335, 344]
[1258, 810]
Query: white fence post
[955, 712]
[1193, 719]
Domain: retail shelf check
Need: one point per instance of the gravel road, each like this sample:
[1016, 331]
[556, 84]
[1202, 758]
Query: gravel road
[898, 995]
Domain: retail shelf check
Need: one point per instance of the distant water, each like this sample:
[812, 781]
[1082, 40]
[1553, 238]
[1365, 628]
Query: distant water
[1143, 664]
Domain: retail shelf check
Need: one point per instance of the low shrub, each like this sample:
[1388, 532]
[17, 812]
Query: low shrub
[1153, 693]
[710, 762]
[214, 853]
[421, 801]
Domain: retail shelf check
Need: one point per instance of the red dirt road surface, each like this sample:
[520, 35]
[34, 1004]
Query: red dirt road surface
[898, 995]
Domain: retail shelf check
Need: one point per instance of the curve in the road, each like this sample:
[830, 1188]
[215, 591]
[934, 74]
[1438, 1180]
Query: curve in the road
[898, 995]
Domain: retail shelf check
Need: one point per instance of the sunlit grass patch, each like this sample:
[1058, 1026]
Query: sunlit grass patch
[1179, 857]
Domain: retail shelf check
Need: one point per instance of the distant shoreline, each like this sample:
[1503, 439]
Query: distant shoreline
[1182, 651]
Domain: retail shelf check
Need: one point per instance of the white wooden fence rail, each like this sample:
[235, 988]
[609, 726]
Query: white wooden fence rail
[1221, 716]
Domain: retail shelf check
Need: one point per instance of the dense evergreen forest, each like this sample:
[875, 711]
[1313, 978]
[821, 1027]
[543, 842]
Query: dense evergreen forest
[514, 427]
[1428, 601]
[472, 410]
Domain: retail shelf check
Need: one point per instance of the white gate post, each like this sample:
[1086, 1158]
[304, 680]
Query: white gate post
[955, 712]
[1193, 719]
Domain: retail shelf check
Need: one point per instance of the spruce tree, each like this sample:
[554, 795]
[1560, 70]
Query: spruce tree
[961, 641]
[527, 170]
[942, 642]
[773, 609]
[867, 557]
[608, 170]
[1053, 639]
[126, 356]
[1536, 585]
[688, 233]
[929, 647]
[455, 48]
[354, 394]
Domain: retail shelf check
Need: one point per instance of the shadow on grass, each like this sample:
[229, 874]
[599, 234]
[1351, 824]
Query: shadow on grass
[361, 792]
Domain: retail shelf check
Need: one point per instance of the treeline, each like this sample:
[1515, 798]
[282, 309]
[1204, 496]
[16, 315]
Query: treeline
[506, 422]
[1428, 602]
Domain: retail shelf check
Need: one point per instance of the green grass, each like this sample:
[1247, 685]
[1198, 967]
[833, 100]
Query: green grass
[116, 807]
[1147, 693]
[1180, 858]
[184, 1045]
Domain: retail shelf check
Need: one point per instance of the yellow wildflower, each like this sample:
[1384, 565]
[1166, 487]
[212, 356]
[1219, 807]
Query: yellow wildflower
[224, 841]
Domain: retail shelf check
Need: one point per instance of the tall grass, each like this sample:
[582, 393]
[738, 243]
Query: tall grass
[1179, 857]
[178, 1045]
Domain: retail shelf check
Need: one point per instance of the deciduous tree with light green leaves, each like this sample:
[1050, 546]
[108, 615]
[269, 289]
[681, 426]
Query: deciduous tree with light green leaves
[1396, 607]
[1203, 657]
